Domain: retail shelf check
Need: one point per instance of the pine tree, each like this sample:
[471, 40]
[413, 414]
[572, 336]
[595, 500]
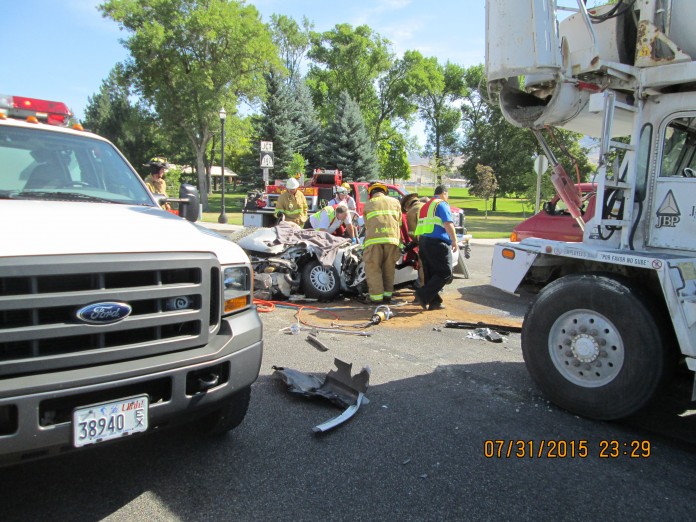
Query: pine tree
[310, 131]
[348, 145]
[279, 121]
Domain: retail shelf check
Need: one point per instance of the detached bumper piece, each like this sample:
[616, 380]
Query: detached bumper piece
[339, 387]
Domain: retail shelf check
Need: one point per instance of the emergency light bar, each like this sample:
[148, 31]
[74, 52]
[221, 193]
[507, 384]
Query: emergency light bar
[20, 107]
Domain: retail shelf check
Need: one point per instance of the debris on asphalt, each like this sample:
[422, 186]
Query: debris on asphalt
[343, 417]
[313, 340]
[339, 387]
[500, 329]
[485, 334]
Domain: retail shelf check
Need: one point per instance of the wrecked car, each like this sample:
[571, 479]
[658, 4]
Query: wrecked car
[288, 260]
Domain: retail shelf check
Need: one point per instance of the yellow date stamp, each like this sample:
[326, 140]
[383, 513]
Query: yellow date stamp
[565, 449]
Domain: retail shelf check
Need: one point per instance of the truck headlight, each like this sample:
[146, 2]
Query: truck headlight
[237, 283]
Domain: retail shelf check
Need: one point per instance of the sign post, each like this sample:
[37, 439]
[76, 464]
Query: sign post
[266, 159]
[541, 163]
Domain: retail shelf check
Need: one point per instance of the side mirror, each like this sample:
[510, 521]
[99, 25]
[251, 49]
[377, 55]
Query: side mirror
[189, 202]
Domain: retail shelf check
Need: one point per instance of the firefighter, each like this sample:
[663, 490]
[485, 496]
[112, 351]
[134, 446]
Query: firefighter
[334, 220]
[411, 205]
[437, 241]
[155, 180]
[342, 196]
[382, 242]
[292, 204]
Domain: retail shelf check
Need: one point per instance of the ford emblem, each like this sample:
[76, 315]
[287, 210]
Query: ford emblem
[104, 313]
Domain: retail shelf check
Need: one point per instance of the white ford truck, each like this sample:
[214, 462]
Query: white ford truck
[116, 317]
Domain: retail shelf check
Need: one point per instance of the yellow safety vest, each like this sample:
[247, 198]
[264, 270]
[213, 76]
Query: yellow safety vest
[427, 218]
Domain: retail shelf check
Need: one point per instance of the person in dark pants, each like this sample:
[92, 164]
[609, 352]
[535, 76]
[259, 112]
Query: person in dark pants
[437, 241]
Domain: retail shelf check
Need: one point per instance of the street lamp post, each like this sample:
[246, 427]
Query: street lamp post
[223, 115]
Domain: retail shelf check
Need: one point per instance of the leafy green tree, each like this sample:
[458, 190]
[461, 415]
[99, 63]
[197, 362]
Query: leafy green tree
[188, 58]
[129, 126]
[393, 158]
[292, 41]
[485, 185]
[347, 59]
[348, 145]
[439, 87]
[296, 167]
[396, 95]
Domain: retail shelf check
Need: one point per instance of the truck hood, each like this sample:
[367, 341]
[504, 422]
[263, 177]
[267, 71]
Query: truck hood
[35, 228]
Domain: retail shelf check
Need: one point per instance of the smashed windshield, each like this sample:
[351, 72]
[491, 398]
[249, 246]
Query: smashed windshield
[40, 164]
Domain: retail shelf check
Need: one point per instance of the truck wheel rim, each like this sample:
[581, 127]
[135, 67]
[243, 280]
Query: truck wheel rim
[322, 279]
[586, 348]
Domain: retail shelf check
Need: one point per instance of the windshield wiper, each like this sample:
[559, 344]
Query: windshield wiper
[59, 196]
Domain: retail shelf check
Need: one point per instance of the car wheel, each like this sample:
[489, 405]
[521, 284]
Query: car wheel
[593, 344]
[227, 417]
[319, 281]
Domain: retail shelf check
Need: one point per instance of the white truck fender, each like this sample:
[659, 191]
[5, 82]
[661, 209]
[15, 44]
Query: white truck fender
[510, 265]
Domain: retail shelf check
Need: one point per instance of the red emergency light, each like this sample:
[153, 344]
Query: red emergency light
[51, 112]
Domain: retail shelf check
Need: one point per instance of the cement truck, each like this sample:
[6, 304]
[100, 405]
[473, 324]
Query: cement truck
[615, 314]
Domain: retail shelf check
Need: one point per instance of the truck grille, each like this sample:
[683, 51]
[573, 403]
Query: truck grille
[175, 300]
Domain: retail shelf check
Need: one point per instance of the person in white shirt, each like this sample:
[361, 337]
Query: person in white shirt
[342, 196]
[330, 219]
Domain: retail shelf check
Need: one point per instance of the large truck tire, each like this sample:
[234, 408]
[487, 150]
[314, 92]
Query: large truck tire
[227, 417]
[320, 282]
[596, 346]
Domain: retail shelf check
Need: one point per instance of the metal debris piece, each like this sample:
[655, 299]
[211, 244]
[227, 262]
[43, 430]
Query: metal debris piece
[343, 417]
[485, 334]
[500, 329]
[338, 386]
[312, 339]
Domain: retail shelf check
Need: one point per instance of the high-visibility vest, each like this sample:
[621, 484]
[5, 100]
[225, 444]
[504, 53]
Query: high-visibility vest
[330, 211]
[427, 218]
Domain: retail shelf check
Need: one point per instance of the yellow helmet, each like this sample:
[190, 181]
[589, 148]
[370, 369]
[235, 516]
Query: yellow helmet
[346, 186]
[377, 186]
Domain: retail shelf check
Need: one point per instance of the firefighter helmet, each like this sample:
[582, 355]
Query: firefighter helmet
[377, 186]
[408, 201]
[292, 183]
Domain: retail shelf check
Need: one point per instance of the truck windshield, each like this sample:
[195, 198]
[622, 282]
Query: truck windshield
[40, 164]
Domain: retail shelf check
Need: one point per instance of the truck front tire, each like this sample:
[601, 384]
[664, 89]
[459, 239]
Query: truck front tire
[594, 346]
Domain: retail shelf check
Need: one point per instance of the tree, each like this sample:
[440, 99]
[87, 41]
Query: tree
[296, 168]
[485, 185]
[279, 121]
[188, 58]
[292, 42]
[310, 131]
[129, 126]
[393, 158]
[347, 59]
[439, 87]
[347, 143]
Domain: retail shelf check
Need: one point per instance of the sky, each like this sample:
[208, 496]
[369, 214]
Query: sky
[61, 50]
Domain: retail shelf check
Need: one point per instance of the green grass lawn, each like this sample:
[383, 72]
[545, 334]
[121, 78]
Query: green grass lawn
[498, 224]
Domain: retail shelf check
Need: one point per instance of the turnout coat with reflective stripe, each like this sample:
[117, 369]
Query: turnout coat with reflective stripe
[382, 220]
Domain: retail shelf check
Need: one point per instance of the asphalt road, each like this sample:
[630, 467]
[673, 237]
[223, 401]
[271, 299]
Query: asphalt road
[422, 449]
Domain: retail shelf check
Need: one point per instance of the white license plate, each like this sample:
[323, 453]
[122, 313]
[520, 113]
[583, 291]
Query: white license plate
[109, 420]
